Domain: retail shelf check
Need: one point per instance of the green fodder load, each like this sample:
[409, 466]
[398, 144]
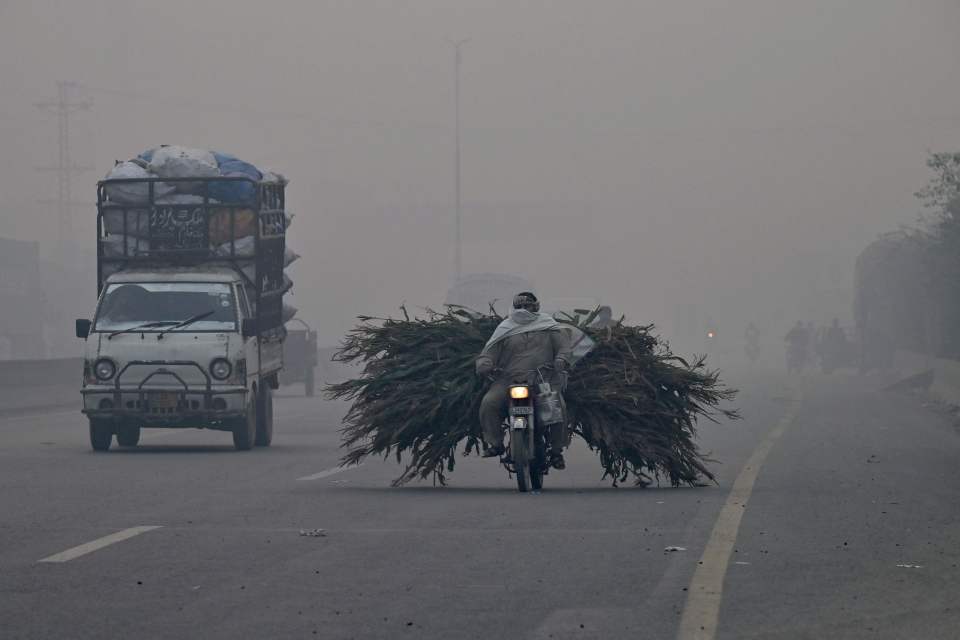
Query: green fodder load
[634, 402]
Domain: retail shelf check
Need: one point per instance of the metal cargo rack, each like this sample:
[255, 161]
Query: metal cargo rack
[155, 233]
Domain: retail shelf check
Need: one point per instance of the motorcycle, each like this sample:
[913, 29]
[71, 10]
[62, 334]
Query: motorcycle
[532, 410]
[796, 357]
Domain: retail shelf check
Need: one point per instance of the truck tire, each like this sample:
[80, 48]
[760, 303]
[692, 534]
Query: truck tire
[128, 435]
[309, 383]
[245, 428]
[101, 435]
[265, 417]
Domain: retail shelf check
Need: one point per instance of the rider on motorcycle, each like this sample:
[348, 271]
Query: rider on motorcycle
[798, 341]
[523, 343]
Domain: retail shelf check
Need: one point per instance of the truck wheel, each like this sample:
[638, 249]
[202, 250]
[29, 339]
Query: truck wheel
[128, 435]
[308, 382]
[101, 435]
[245, 428]
[265, 418]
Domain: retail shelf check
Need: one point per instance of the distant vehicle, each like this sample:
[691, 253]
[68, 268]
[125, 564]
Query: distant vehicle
[188, 330]
[481, 291]
[711, 338]
[300, 356]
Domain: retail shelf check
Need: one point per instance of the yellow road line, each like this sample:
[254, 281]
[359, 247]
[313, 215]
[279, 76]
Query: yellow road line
[702, 610]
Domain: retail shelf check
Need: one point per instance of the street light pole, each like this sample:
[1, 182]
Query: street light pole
[458, 248]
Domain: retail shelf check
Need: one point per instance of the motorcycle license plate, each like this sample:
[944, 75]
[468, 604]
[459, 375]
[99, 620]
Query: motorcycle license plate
[521, 411]
[163, 400]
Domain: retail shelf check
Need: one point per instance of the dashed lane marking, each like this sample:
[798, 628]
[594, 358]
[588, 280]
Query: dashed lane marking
[99, 543]
[702, 610]
[326, 473]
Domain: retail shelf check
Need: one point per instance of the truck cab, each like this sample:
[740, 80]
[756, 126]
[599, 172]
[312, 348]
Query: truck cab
[176, 348]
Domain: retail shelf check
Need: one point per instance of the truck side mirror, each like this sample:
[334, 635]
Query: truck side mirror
[83, 327]
[248, 327]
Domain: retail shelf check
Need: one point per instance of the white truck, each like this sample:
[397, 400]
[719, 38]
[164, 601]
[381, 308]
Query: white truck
[188, 329]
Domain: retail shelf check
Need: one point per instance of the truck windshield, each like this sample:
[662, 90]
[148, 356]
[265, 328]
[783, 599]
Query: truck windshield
[162, 304]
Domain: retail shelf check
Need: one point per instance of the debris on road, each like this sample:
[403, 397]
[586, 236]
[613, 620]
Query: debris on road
[314, 533]
[673, 549]
[910, 566]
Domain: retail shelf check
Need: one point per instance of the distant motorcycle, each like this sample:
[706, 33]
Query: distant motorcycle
[796, 357]
[532, 408]
[711, 341]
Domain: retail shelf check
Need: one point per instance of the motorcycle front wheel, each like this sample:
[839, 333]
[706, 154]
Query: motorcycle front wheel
[520, 454]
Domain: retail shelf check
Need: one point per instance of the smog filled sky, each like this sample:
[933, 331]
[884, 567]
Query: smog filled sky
[730, 157]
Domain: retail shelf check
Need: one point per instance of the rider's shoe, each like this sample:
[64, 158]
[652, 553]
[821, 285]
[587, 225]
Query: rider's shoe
[557, 461]
[493, 452]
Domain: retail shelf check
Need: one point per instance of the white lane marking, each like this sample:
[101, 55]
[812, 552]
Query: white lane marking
[99, 543]
[326, 473]
[702, 610]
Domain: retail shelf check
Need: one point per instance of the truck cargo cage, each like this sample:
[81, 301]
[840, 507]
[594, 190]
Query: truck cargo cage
[164, 231]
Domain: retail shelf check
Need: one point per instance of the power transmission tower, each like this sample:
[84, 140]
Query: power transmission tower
[65, 168]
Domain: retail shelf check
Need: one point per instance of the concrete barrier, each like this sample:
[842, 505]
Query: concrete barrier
[32, 373]
[38, 385]
[946, 373]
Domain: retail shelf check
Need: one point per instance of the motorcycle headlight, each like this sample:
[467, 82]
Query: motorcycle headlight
[519, 393]
[104, 369]
[221, 368]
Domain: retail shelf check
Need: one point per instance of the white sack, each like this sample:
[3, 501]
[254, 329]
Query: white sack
[113, 246]
[138, 222]
[244, 249]
[184, 162]
[134, 192]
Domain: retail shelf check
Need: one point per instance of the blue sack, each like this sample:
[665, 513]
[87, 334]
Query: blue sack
[235, 191]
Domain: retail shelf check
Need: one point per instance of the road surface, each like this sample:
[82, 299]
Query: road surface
[834, 516]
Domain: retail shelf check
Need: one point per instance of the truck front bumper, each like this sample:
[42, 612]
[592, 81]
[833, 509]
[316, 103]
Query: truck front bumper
[165, 405]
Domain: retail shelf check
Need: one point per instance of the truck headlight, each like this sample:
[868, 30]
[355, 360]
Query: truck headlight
[221, 368]
[519, 393]
[104, 369]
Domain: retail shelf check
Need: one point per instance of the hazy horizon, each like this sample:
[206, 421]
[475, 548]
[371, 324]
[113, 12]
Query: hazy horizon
[651, 154]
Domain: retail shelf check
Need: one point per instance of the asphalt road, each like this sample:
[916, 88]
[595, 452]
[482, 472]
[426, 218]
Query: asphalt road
[842, 525]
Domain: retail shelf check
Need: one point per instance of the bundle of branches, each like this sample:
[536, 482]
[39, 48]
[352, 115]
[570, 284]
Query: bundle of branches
[634, 402]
